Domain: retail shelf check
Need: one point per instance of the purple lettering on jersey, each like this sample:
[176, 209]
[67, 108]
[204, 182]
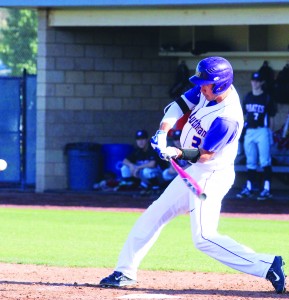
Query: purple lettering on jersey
[196, 124]
[222, 132]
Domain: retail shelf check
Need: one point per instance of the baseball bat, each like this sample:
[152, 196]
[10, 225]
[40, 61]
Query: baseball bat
[189, 181]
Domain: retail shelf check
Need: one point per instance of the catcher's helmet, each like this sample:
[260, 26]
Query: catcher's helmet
[214, 70]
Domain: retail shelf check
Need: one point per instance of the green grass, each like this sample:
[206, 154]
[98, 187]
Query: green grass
[94, 239]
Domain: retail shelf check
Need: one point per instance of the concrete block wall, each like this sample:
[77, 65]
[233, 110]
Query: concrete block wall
[95, 85]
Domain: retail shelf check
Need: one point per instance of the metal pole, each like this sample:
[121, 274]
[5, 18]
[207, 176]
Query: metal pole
[23, 130]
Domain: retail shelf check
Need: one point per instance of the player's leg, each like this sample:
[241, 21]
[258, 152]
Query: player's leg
[251, 152]
[250, 149]
[127, 179]
[204, 223]
[151, 178]
[264, 149]
[171, 203]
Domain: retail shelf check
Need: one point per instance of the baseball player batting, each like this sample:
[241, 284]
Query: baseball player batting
[209, 141]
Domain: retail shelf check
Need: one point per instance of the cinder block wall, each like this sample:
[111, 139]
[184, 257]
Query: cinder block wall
[95, 85]
[98, 85]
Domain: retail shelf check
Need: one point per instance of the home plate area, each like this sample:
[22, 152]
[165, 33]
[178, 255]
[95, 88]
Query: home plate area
[194, 286]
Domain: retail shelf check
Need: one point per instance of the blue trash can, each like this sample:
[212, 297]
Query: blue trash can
[113, 155]
[84, 165]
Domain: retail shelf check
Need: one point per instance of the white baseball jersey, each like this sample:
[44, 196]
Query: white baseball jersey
[215, 127]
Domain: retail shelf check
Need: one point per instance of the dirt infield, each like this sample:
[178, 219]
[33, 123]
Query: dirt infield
[42, 282]
[49, 283]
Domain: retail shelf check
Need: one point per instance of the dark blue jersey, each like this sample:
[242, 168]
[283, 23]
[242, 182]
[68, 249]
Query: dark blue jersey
[257, 110]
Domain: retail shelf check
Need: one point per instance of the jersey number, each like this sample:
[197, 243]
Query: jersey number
[256, 115]
[196, 141]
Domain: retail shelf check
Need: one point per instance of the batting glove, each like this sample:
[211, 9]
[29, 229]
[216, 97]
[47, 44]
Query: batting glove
[159, 140]
[168, 153]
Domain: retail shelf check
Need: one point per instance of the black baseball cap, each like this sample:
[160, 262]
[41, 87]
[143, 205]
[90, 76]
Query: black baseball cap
[141, 134]
[257, 76]
[177, 134]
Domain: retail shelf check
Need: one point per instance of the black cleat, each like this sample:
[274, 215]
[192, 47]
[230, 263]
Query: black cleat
[264, 195]
[277, 276]
[245, 193]
[116, 279]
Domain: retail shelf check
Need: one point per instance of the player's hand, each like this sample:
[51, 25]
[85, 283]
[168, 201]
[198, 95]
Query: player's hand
[159, 140]
[168, 153]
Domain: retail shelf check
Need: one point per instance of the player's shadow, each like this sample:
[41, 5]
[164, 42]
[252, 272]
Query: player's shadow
[213, 292]
[75, 284]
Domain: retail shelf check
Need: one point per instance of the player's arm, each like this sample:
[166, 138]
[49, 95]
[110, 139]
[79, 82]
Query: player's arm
[205, 155]
[173, 113]
[128, 163]
[191, 155]
[222, 132]
[179, 107]
[148, 164]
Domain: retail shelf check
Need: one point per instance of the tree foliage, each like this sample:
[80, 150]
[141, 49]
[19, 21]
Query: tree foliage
[18, 45]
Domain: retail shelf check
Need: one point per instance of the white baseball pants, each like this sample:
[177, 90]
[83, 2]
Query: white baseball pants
[204, 216]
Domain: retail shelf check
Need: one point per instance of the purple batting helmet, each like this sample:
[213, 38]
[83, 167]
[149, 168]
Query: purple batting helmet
[214, 70]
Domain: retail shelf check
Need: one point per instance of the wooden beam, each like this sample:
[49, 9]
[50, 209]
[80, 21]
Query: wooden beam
[170, 16]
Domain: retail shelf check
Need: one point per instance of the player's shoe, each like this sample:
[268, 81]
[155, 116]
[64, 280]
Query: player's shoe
[116, 279]
[264, 195]
[245, 193]
[124, 186]
[277, 276]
